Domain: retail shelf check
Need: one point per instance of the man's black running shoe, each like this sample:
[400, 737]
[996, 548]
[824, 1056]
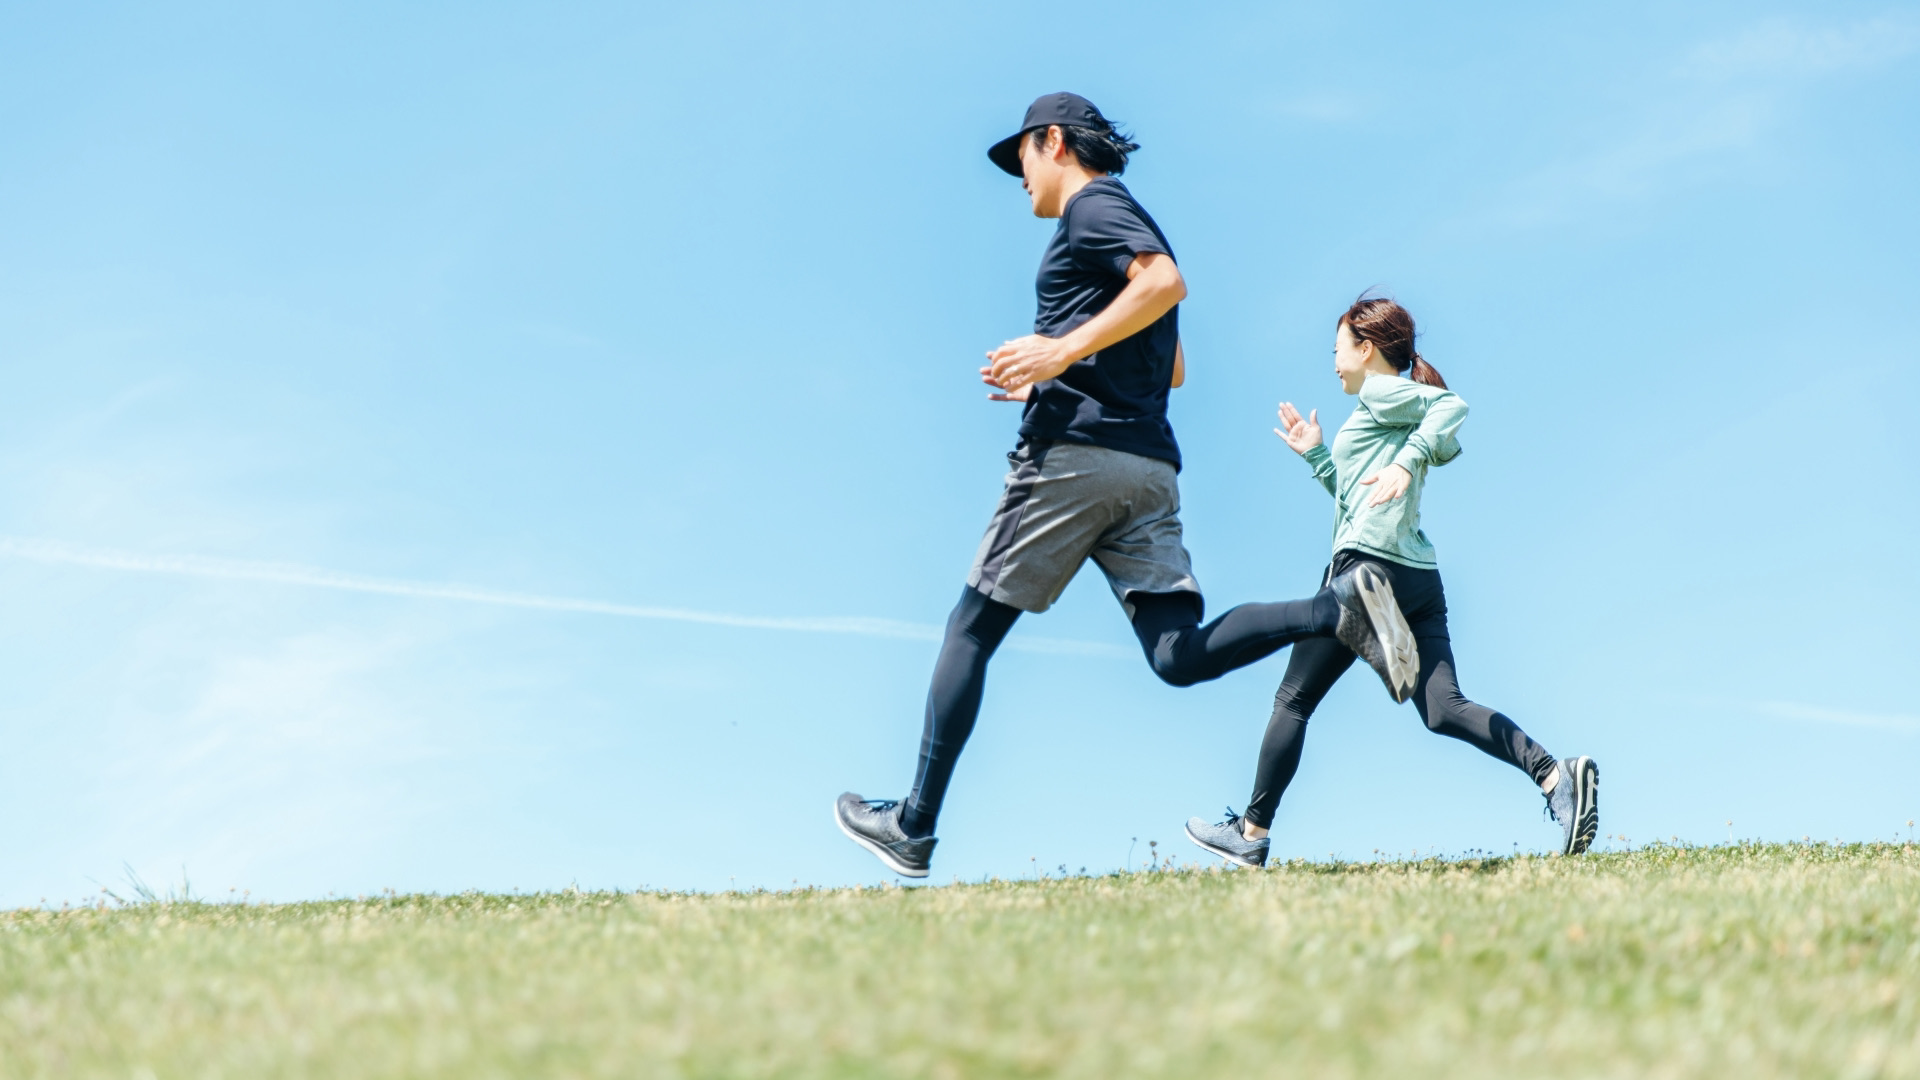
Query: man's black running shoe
[1373, 627]
[1227, 841]
[874, 824]
[1574, 803]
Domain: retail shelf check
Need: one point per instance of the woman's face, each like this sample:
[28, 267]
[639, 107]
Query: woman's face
[1350, 359]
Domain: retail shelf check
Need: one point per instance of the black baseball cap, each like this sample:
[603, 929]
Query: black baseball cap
[1063, 108]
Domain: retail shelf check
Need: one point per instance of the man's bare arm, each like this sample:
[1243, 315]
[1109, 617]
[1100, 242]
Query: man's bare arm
[1179, 364]
[1154, 286]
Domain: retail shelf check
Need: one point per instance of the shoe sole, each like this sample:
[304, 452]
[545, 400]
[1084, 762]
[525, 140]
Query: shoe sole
[1225, 854]
[879, 852]
[1391, 630]
[1586, 804]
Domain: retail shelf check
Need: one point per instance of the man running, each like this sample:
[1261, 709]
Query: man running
[1094, 474]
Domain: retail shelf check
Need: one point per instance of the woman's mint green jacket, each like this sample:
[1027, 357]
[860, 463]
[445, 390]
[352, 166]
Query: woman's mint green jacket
[1398, 422]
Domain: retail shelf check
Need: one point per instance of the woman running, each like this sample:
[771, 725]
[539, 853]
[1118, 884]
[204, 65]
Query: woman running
[1404, 424]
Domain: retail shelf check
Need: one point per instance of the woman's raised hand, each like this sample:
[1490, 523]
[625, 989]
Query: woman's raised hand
[1301, 433]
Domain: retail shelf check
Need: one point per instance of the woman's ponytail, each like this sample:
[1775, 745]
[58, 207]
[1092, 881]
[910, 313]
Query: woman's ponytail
[1424, 372]
[1378, 319]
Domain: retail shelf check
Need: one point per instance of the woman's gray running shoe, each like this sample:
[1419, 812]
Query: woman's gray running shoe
[1373, 627]
[1575, 803]
[874, 824]
[1227, 841]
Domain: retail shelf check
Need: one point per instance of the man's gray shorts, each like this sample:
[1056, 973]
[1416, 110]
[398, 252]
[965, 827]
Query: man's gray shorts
[1066, 501]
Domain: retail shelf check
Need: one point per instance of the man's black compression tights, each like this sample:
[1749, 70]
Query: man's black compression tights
[1178, 648]
[1182, 652]
[974, 630]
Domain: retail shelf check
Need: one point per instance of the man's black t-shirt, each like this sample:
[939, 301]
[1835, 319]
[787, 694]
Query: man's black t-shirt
[1116, 398]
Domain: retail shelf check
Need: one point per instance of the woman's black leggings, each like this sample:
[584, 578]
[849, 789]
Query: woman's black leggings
[1178, 648]
[1317, 663]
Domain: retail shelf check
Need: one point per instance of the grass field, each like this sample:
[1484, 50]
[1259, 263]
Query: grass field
[1747, 961]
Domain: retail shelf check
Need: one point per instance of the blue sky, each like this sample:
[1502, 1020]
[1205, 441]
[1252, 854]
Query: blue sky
[495, 446]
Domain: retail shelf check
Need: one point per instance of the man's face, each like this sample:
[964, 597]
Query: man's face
[1041, 173]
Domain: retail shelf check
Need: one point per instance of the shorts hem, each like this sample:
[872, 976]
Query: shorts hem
[1001, 596]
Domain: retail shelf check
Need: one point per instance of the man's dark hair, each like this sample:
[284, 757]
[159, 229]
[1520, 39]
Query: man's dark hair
[1102, 149]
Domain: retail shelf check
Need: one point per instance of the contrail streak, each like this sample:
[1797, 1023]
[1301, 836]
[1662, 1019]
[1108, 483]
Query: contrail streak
[1793, 710]
[313, 577]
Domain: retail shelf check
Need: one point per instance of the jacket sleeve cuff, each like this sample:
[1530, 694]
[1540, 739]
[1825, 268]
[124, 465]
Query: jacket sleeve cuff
[1409, 459]
[1317, 455]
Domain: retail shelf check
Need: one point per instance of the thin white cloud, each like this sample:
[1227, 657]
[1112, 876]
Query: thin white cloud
[1786, 47]
[1321, 107]
[309, 733]
[1708, 118]
[65, 554]
[1635, 165]
[1819, 714]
